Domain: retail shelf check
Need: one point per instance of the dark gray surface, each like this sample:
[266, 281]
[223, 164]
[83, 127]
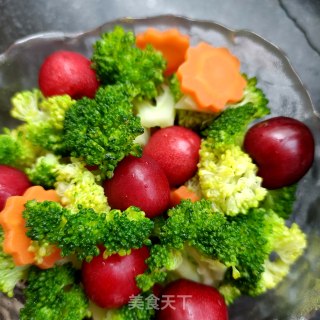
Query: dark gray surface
[293, 25]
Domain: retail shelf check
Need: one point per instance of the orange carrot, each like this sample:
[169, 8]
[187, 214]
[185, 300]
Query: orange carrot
[16, 242]
[211, 76]
[171, 43]
[182, 193]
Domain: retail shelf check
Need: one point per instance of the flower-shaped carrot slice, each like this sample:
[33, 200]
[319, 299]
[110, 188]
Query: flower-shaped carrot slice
[171, 43]
[211, 77]
[16, 243]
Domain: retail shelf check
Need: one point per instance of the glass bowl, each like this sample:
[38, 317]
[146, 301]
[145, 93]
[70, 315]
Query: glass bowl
[298, 296]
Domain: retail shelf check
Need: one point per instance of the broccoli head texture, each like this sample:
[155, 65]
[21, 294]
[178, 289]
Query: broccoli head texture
[228, 245]
[74, 183]
[174, 86]
[16, 150]
[43, 171]
[43, 117]
[81, 232]
[205, 246]
[116, 59]
[10, 274]
[287, 244]
[228, 178]
[281, 200]
[78, 186]
[162, 259]
[140, 307]
[54, 294]
[102, 130]
[227, 175]
[230, 127]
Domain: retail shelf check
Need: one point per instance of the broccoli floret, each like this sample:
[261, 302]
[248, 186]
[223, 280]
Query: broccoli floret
[281, 200]
[10, 274]
[253, 94]
[102, 130]
[230, 241]
[230, 127]
[116, 59]
[162, 259]
[286, 246]
[158, 114]
[140, 307]
[74, 183]
[43, 117]
[78, 186]
[228, 178]
[43, 171]
[124, 230]
[174, 86]
[227, 175]
[229, 292]
[54, 294]
[81, 232]
[16, 150]
[209, 247]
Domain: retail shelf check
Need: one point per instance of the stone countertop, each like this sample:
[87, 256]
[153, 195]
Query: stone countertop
[292, 25]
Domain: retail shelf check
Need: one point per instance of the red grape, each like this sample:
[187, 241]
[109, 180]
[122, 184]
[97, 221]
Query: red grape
[13, 182]
[283, 149]
[176, 149]
[138, 182]
[111, 282]
[188, 300]
[67, 72]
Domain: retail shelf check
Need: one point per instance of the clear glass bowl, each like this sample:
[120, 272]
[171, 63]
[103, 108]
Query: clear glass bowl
[298, 297]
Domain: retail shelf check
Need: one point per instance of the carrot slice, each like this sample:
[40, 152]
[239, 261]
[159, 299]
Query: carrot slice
[171, 43]
[211, 76]
[16, 242]
[182, 193]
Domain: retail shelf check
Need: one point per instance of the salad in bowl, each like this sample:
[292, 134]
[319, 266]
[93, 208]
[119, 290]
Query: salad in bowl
[148, 178]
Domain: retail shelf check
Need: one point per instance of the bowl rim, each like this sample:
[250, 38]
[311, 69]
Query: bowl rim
[233, 33]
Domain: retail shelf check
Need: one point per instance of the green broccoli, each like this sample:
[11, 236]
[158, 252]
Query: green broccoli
[16, 150]
[43, 171]
[140, 307]
[102, 130]
[281, 200]
[232, 242]
[116, 59]
[174, 86]
[286, 245]
[81, 232]
[10, 274]
[227, 175]
[228, 178]
[200, 244]
[74, 183]
[54, 294]
[43, 117]
[230, 127]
